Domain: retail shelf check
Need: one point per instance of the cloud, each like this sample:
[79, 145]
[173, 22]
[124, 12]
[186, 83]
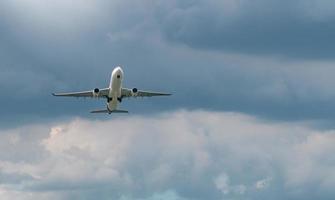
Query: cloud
[222, 183]
[164, 43]
[180, 155]
[295, 29]
[167, 195]
[261, 184]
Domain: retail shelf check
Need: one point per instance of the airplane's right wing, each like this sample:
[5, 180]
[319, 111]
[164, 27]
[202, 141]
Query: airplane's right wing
[125, 92]
[93, 93]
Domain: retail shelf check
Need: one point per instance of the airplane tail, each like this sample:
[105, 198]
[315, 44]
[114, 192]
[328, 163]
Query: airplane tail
[109, 111]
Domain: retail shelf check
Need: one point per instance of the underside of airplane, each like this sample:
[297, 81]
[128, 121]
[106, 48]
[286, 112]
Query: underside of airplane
[113, 94]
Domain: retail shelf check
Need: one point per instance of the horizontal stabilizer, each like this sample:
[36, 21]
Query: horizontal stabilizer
[119, 111]
[100, 111]
[108, 111]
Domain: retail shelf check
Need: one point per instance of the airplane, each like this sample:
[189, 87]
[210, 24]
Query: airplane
[114, 93]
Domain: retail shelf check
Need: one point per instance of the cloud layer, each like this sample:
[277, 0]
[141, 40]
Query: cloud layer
[288, 28]
[268, 58]
[180, 155]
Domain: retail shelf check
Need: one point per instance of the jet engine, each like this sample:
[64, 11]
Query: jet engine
[96, 92]
[134, 92]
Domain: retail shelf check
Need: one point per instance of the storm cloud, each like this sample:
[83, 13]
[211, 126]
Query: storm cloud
[65, 46]
[267, 58]
[297, 29]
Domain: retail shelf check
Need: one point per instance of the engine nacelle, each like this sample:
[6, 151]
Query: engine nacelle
[96, 92]
[134, 92]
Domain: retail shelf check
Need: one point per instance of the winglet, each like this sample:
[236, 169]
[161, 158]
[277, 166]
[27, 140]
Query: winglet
[56, 94]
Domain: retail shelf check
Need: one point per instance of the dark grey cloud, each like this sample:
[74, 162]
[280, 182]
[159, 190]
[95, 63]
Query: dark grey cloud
[217, 155]
[74, 46]
[296, 29]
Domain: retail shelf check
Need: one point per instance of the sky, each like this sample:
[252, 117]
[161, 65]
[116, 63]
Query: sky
[251, 115]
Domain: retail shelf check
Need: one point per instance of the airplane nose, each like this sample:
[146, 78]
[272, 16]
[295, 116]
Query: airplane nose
[117, 69]
[118, 72]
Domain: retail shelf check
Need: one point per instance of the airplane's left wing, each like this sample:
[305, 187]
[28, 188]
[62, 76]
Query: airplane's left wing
[140, 93]
[92, 93]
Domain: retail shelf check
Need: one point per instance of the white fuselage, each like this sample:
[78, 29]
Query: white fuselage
[115, 86]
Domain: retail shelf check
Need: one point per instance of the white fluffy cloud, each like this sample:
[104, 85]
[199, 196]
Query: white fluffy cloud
[180, 155]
